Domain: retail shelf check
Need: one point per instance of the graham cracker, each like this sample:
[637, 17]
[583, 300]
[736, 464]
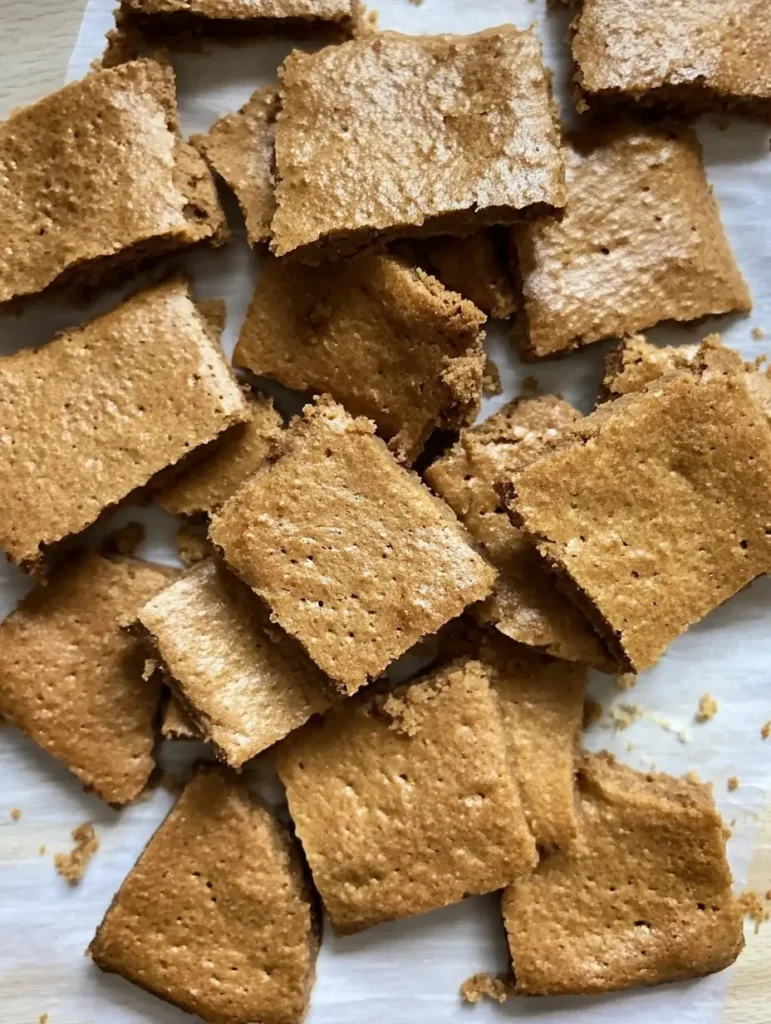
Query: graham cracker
[641, 242]
[216, 916]
[526, 604]
[395, 822]
[243, 682]
[209, 481]
[351, 553]
[478, 267]
[385, 339]
[432, 135]
[113, 135]
[95, 413]
[73, 681]
[648, 901]
[655, 509]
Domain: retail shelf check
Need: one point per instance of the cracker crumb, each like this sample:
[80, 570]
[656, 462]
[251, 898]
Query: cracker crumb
[43, 1018]
[626, 680]
[624, 715]
[707, 708]
[193, 544]
[592, 713]
[497, 987]
[124, 540]
[765, 730]
[751, 907]
[733, 783]
[416, 3]
[16, 813]
[758, 333]
[667, 726]
[71, 866]
[491, 379]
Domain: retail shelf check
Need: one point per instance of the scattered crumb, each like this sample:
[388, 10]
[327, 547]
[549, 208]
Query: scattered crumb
[149, 669]
[530, 386]
[124, 540]
[667, 726]
[16, 813]
[758, 333]
[733, 783]
[707, 708]
[43, 1018]
[416, 3]
[624, 715]
[592, 713]
[626, 680]
[491, 380]
[72, 866]
[751, 907]
[496, 987]
[193, 544]
[765, 730]
[631, 746]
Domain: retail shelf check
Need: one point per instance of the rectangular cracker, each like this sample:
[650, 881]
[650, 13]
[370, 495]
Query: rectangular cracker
[351, 553]
[478, 267]
[216, 916]
[655, 509]
[405, 803]
[648, 901]
[641, 242]
[385, 339]
[526, 604]
[432, 135]
[207, 484]
[240, 147]
[95, 413]
[695, 55]
[73, 681]
[244, 683]
[113, 135]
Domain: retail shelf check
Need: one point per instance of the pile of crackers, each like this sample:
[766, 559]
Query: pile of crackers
[402, 189]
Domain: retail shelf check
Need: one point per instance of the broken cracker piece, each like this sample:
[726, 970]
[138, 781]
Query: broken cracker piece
[477, 267]
[176, 723]
[479, 986]
[708, 708]
[732, 783]
[72, 866]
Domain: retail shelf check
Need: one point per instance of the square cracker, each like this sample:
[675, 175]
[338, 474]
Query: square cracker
[244, 683]
[112, 135]
[641, 241]
[526, 604]
[385, 339]
[649, 900]
[95, 413]
[240, 148]
[393, 135]
[692, 54]
[655, 509]
[72, 680]
[406, 803]
[216, 916]
[352, 554]
[209, 481]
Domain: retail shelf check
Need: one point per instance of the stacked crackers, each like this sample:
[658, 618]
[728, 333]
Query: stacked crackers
[401, 189]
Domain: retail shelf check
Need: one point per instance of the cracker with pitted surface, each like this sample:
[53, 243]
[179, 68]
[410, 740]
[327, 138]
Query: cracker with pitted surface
[216, 916]
[243, 682]
[655, 509]
[385, 339]
[526, 604]
[641, 242]
[648, 901]
[72, 680]
[397, 822]
[115, 135]
[433, 135]
[478, 267]
[352, 553]
[687, 54]
[98, 411]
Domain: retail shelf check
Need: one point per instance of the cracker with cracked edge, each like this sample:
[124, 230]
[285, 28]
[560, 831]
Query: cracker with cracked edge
[654, 509]
[97, 412]
[648, 901]
[385, 339]
[243, 682]
[220, 884]
[478, 267]
[87, 140]
[176, 723]
[526, 604]
[482, 100]
[395, 823]
[641, 242]
[73, 680]
[351, 552]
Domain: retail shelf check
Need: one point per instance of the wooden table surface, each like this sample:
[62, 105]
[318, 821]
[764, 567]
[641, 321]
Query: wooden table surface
[36, 40]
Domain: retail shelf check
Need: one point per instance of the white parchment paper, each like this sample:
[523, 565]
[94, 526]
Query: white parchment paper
[410, 971]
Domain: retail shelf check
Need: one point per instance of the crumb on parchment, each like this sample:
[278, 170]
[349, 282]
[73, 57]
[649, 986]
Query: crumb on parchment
[624, 715]
[491, 380]
[733, 783]
[707, 709]
[497, 987]
[626, 680]
[16, 813]
[758, 333]
[42, 850]
[71, 866]
[193, 544]
[751, 907]
[765, 730]
[43, 1018]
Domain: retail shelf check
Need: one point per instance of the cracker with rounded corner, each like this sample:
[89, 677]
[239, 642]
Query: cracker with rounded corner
[653, 510]
[73, 681]
[93, 415]
[526, 604]
[391, 135]
[216, 916]
[641, 242]
[398, 820]
[242, 681]
[648, 901]
[113, 134]
[352, 554]
[385, 339]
